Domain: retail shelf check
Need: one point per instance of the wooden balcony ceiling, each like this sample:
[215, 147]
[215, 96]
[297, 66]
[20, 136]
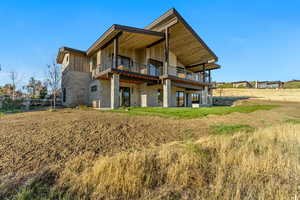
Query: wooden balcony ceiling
[131, 38]
[201, 67]
[184, 42]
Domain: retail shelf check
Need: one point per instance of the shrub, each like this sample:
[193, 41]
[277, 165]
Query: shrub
[9, 104]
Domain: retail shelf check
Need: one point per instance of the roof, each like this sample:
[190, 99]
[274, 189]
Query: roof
[236, 82]
[116, 28]
[269, 82]
[293, 81]
[63, 50]
[182, 35]
[167, 16]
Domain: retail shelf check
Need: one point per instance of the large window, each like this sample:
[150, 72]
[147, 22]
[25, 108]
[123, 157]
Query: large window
[94, 61]
[179, 98]
[124, 61]
[155, 67]
[94, 88]
[195, 98]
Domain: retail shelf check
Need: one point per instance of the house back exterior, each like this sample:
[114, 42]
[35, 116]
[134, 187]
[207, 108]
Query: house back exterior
[164, 64]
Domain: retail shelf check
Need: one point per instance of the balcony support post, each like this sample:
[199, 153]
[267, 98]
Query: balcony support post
[115, 93]
[116, 52]
[166, 51]
[167, 93]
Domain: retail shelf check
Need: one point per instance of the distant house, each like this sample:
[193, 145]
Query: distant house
[292, 84]
[241, 84]
[268, 84]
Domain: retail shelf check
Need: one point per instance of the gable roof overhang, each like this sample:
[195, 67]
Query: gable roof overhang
[185, 43]
[132, 37]
[63, 50]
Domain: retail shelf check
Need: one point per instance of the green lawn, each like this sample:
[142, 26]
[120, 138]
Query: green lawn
[192, 112]
[3, 112]
[230, 129]
[292, 121]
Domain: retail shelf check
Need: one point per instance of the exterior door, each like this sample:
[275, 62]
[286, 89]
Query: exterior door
[125, 96]
[179, 98]
[186, 100]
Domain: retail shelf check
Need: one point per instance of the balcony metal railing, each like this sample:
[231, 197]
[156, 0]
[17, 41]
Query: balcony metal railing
[186, 74]
[131, 66]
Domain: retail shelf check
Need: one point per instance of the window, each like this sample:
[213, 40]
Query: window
[124, 61]
[195, 98]
[94, 61]
[179, 70]
[64, 94]
[159, 96]
[180, 98]
[94, 88]
[155, 67]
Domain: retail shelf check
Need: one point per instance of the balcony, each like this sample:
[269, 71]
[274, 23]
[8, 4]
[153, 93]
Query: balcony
[130, 67]
[182, 73]
[127, 66]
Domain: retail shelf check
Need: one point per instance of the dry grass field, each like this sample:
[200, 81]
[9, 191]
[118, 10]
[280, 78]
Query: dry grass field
[88, 154]
[264, 94]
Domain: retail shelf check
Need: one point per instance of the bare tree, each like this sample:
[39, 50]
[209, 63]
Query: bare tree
[13, 76]
[53, 80]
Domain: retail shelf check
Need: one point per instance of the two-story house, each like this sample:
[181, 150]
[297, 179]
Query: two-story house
[164, 64]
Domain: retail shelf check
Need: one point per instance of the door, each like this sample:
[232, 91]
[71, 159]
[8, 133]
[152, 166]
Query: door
[187, 100]
[179, 98]
[125, 96]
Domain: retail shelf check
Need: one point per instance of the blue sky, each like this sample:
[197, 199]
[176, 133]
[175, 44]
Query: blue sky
[254, 40]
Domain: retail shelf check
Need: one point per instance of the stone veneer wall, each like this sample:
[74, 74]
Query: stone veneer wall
[77, 88]
[94, 96]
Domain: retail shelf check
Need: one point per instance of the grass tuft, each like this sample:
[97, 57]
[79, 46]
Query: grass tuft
[192, 112]
[230, 129]
[292, 121]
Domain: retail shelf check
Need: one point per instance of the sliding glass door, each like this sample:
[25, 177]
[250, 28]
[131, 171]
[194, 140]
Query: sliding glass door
[179, 98]
[124, 96]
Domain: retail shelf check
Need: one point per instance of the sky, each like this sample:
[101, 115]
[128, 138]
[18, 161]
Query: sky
[254, 40]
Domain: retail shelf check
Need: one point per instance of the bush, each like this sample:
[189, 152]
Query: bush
[9, 105]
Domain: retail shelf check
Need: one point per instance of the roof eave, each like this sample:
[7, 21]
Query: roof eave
[118, 27]
[173, 11]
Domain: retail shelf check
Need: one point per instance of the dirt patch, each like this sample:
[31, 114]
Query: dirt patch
[30, 141]
[34, 140]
